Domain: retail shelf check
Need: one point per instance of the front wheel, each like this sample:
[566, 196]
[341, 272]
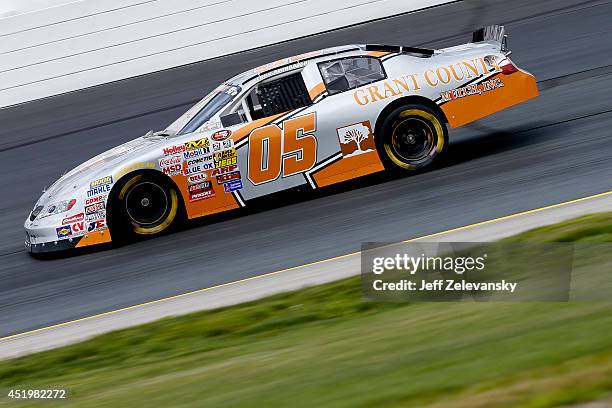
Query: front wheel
[412, 137]
[146, 205]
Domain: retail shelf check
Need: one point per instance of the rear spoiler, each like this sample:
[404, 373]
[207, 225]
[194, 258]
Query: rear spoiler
[492, 33]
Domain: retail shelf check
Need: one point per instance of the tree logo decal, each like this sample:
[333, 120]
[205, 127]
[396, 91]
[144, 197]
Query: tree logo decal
[356, 139]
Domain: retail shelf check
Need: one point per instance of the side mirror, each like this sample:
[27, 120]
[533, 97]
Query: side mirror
[232, 119]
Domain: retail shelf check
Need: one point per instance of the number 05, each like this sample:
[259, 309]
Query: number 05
[290, 150]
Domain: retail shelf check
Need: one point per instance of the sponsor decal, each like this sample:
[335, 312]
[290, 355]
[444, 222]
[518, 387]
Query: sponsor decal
[286, 61]
[101, 181]
[197, 165]
[169, 161]
[188, 171]
[95, 216]
[197, 178]
[74, 218]
[226, 144]
[225, 158]
[211, 125]
[172, 170]
[94, 208]
[233, 186]
[221, 135]
[228, 177]
[135, 166]
[472, 89]
[102, 189]
[95, 199]
[64, 232]
[440, 76]
[223, 170]
[197, 144]
[199, 160]
[201, 196]
[174, 150]
[201, 191]
[96, 225]
[196, 153]
[356, 139]
[78, 227]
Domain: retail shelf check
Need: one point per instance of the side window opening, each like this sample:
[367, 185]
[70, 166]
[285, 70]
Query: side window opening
[270, 98]
[255, 105]
[280, 95]
[350, 73]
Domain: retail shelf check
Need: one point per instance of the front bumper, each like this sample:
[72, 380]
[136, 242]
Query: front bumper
[42, 236]
[53, 246]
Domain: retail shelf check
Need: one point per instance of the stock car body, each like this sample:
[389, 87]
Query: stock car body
[313, 120]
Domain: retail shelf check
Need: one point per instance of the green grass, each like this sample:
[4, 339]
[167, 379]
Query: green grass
[323, 346]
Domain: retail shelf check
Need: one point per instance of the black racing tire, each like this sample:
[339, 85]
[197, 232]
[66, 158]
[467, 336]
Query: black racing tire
[412, 137]
[145, 205]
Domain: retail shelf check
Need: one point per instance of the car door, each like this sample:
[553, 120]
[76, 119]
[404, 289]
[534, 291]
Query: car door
[280, 144]
[345, 130]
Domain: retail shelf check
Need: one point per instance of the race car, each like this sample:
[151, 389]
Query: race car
[313, 120]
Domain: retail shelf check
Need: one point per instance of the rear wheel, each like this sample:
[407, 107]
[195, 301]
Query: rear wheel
[412, 137]
[146, 205]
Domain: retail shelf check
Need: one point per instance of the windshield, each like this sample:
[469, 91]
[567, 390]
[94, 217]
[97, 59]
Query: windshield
[204, 110]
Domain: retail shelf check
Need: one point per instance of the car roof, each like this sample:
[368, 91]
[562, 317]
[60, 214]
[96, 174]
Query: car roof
[295, 62]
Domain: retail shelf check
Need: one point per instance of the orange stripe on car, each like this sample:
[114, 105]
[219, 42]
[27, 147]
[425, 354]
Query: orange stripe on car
[378, 54]
[348, 168]
[94, 238]
[518, 87]
[246, 130]
[317, 90]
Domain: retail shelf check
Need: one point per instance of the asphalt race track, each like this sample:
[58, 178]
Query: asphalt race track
[552, 149]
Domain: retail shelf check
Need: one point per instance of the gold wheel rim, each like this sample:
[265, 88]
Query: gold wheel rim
[439, 133]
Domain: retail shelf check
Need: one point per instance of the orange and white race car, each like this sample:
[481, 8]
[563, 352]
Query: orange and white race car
[314, 120]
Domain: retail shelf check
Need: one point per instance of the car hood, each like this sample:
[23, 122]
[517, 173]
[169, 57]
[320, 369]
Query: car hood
[101, 165]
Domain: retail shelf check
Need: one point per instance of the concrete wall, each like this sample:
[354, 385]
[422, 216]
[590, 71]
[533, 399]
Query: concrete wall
[91, 42]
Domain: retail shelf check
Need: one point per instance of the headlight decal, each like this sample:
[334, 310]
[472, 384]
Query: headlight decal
[57, 208]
